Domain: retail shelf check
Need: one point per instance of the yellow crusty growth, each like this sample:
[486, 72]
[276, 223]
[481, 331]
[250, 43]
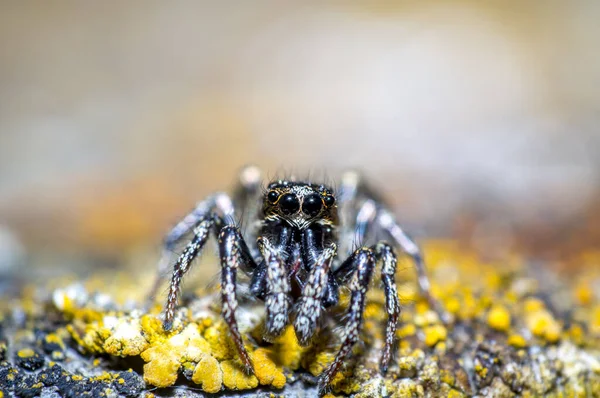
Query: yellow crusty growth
[26, 353]
[165, 358]
[266, 370]
[126, 339]
[208, 374]
[499, 318]
[234, 377]
[474, 293]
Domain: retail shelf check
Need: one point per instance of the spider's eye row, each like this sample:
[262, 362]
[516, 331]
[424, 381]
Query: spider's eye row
[312, 205]
[272, 196]
[329, 200]
[289, 203]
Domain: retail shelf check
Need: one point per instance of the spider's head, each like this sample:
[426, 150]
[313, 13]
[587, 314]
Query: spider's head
[300, 204]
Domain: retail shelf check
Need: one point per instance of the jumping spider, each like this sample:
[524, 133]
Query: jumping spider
[304, 252]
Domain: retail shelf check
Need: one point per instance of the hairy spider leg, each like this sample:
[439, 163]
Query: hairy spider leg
[360, 264]
[234, 254]
[219, 201]
[386, 220]
[245, 197]
[385, 254]
[277, 286]
[309, 305]
[374, 211]
[201, 233]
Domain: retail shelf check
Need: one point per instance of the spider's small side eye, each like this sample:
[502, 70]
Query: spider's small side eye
[272, 196]
[329, 200]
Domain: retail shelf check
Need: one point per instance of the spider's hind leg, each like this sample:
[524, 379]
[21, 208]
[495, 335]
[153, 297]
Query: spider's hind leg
[385, 254]
[371, 211]
[408, 245]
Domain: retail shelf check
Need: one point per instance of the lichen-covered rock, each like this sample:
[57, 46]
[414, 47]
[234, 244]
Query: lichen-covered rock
[507, 336]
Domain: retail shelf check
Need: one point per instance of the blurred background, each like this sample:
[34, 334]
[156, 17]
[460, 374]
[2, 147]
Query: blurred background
[477, 120]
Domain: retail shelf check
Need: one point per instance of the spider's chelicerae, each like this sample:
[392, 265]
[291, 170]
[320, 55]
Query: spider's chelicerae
[297, 247]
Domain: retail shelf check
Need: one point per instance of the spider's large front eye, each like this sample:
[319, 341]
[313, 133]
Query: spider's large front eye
[289, 203]
[312, 205]
[272, 196]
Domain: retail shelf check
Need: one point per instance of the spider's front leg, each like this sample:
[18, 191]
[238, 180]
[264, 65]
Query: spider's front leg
[191, 221]
[193, 248]
[234, 254]
[361, 264]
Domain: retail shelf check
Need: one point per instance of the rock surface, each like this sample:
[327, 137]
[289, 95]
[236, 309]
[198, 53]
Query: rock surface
[513, 332]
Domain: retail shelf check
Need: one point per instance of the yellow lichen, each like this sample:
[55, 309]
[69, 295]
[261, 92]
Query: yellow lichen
[26, 353]
[533, 305]
[584, 294]
[126, 339]
[90, 336]
[162, 367]
[542, 324]
[481, 370]
[165, 358]
[319, 363]
[455, 394]
[499, 318]
[152, 327]
[208, 374]
[217, 337]
[54, 338]
[406, 330]
[407, 365]
[407, 388]
[434, 334]
[286, 351]
[447, 377]
[517, 341]
[234, 377]
[577, 334]
[453, 305]
[483, 296]
[266, 370]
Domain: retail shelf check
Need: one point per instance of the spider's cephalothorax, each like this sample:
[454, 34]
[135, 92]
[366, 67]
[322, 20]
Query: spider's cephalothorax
[300, 204]
[297, 254]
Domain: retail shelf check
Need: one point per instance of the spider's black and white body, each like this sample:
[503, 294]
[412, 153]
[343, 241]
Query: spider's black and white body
[297, 254]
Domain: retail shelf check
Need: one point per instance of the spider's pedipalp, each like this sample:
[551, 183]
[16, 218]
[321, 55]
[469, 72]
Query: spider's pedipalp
[309, 305]
[277, 289]
[362, 262]
[332, 292]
